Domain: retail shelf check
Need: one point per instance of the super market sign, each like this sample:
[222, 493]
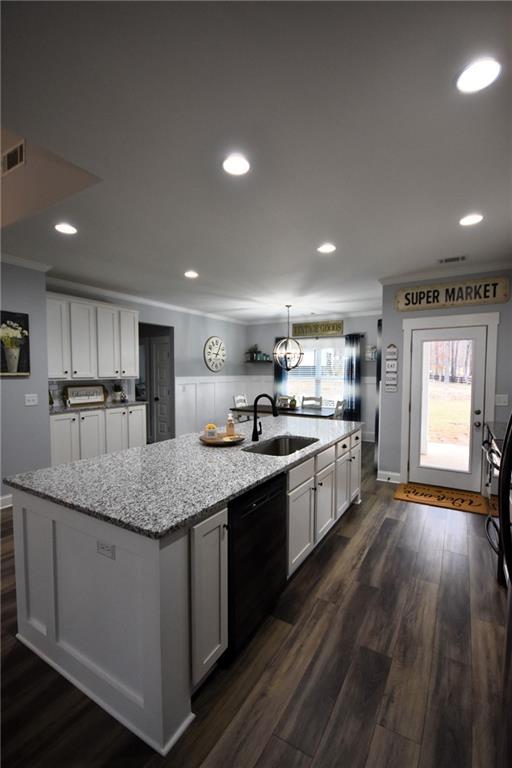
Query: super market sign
[491, 290]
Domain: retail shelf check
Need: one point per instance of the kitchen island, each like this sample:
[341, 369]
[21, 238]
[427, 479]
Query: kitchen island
[110, 551]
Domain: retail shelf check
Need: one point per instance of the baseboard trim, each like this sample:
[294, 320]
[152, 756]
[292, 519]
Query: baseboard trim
[6, 501]
[388, 477]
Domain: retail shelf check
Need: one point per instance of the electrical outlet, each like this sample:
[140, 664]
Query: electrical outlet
[105, 549]
[501, 400]
[31, 399]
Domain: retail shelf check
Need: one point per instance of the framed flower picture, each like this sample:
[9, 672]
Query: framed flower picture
[15, 344]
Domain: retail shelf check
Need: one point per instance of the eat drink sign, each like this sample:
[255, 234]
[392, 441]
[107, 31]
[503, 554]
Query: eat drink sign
[490, 290]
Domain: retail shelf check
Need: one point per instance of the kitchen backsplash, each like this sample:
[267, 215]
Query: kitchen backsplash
[57, 388]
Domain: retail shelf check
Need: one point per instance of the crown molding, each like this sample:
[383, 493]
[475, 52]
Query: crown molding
[17, 261]
[91, 291]
[455, 270]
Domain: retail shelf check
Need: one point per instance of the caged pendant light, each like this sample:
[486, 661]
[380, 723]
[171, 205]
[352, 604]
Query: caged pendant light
[288, 352]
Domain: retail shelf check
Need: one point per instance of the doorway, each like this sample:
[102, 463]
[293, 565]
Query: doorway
[156, 382]
[448, 395]
[447, 403]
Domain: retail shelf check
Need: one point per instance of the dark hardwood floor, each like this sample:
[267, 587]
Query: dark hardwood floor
[384, 651]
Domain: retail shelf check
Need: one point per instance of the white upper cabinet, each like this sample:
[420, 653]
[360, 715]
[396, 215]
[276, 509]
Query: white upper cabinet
[90, 340]
[83, 340]
[129, 327]
[59, 345]
[109, 353]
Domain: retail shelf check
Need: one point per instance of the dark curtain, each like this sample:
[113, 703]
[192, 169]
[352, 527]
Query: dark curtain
[352, 378]
[280, 375]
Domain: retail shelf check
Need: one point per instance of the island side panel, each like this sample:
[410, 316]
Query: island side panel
[90, 604]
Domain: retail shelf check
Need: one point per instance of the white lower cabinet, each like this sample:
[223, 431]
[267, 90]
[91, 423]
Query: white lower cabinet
[355, 473]
[116, 420]
[209, 592]
[92, 434]
[64, 438]
[342, 484]
[88, 433]
[136, 426]
[325, 501]
[301, 524]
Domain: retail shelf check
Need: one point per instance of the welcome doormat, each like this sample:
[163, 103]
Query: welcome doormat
[434, 496]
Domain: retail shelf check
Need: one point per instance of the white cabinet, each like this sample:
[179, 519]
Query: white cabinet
[90, 340]
[116, 428]
[58, 335]
[325, 504]
[129, 334]
[342, 484]
[92, 433]
[136, 426]
[64, 438]
[301, 524]
[209, 592]
[83, 340]
[109, 366]
[355, 473]
[125, 427]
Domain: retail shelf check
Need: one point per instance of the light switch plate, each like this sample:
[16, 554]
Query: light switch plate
[31, 399]
[501, 400]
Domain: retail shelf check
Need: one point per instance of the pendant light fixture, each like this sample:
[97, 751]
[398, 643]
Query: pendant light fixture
[288, 352]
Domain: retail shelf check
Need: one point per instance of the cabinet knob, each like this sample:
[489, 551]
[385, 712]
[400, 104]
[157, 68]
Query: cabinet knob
[321, 484]
[73, 419]
[344, 445]
[65, 372]
[131, 411]
[117, 371]
[83, 418]
[124, 371]
[124, 413]
[357, 437]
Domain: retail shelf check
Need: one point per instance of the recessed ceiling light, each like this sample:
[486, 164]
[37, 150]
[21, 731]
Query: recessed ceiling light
[236, 164]
[471, 219]
[66, 229]
[478, 75]
[191, 274]
[326, 248]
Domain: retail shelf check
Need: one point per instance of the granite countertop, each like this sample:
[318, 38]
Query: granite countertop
[94, 406]
[159, 488]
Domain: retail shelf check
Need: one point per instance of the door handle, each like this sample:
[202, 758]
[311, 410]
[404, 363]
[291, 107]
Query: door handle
[478, 424]
[157, 399]
[477, 412]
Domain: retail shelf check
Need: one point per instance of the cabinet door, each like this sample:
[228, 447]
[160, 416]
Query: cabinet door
[342, 485]
[129, 329]
[355, 473]
[325, 502]
[209, 567]
[64, 438]
[58, 333]
[136, 426]
[301, 524]
[83, 340]
[116, 428]
[92, 434]
[109, 366]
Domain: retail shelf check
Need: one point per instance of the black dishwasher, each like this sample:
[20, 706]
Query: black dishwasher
[257, 558]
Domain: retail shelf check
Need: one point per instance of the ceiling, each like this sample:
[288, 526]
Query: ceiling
[348, 113]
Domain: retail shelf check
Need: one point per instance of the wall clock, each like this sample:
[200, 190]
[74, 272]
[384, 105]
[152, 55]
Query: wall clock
[214, 353]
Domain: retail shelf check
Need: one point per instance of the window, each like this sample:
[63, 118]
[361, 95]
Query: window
[322, 372]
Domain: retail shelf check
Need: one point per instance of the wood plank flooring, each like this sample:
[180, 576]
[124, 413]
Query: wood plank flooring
[385, 650]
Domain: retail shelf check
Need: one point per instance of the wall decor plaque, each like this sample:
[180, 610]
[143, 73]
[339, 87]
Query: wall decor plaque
[318, 329]
[465, 293]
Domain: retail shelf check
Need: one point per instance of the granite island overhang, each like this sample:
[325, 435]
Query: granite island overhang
[102, 553]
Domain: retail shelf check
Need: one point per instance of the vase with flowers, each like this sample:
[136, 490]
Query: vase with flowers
[12, 336]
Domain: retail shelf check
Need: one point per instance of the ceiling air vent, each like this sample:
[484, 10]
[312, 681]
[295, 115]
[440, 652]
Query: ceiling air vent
[13, 158]
[452, 259]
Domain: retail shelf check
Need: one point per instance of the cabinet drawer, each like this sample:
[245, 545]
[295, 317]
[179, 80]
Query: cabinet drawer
[355, 439]
[300, 474]
[325, 458]
[342, 447]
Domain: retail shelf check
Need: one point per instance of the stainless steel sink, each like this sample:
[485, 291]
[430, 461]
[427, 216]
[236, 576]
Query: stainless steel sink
[282, 445]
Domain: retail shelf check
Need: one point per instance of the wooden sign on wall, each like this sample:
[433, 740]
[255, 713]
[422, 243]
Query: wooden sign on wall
[488, 290]
[318, 329]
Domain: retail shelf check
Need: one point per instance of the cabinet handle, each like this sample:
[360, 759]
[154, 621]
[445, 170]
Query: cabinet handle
[321, 484]
[117, 371]
[357, 437]
[65, 372]
[83, 418]
[313, 489]
[75, 371]
[226, 526]
[131, 411]
[124, 371]
[73, 419]
[344, 445]
[124, 413]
